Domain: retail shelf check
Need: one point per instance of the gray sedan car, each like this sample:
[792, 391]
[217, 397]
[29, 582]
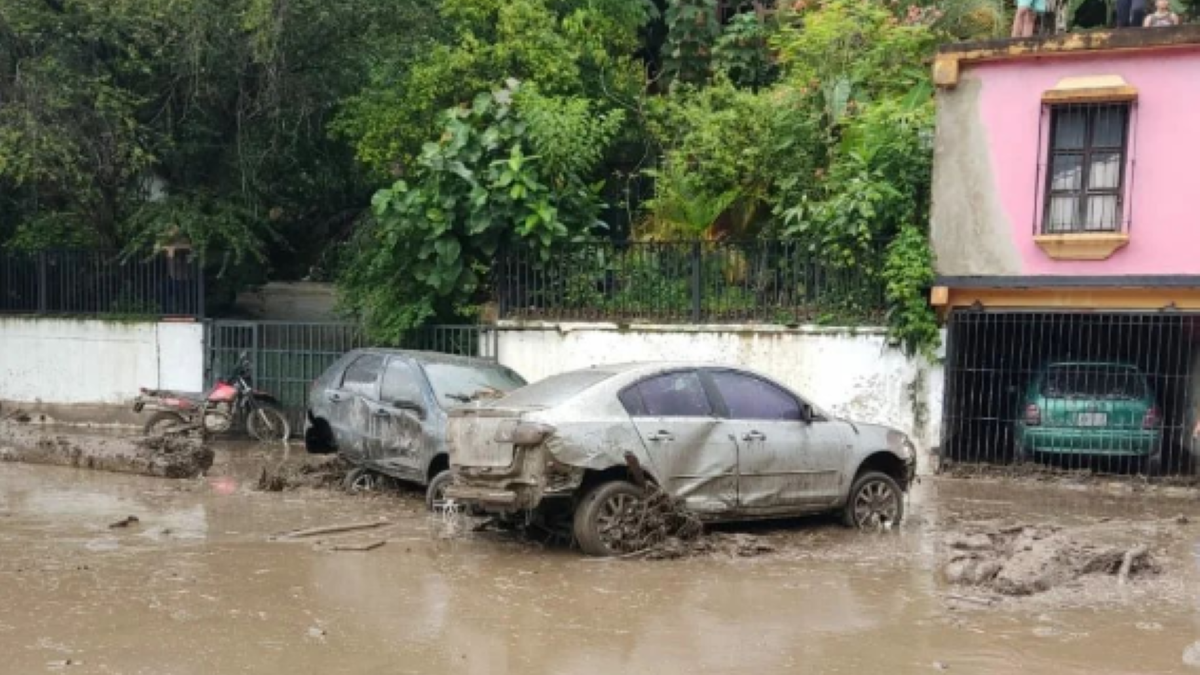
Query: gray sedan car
[730, 443]
[385, 411]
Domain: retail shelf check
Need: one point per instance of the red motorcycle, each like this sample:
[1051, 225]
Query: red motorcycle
[232, 402]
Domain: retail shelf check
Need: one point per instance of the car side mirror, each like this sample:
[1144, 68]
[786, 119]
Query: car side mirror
[806, 414]
[411, 406]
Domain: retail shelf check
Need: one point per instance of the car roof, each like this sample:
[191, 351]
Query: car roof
[425, 357]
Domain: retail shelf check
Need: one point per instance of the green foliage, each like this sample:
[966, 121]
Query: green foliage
[476, 190]
[908, 270]
[563, 47]
[692, 32]
[743, 54]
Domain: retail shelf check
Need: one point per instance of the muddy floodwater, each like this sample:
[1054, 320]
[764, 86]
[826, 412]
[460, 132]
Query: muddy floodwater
[198, 585]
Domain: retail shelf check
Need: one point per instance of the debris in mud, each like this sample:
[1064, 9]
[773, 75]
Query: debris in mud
[124, 522]
[1041, 473]
[359, 546]
[332, 529]
[659, 522]
[294, 476]
[1025, 560]
[738, 545]
[161, 457]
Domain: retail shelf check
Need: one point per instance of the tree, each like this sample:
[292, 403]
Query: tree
[509, 172]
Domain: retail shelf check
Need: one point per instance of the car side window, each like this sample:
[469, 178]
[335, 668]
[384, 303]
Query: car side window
[752, 398]
[400, 383]
[361, 376]
[674, 395]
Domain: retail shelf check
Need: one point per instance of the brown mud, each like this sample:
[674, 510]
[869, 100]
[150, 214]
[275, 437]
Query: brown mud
[196, 585]
[162, 457]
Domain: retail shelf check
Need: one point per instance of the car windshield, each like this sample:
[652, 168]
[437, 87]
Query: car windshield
[556, 389]
[1093, 381]
[455, 384]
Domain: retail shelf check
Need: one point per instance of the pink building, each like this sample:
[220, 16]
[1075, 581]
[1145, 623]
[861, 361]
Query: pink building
[1065, 228]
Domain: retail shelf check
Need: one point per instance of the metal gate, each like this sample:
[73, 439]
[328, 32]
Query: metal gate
[1106, 392]
[286, 357]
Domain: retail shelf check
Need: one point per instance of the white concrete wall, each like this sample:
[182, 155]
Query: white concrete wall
[70, 361]
[850, 372]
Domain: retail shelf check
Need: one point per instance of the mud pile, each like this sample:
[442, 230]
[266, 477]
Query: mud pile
[1023, 560]
[323, 475]
[161, 457]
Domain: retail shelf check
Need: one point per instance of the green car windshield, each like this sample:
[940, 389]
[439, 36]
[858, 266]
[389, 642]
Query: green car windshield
[1095, 381]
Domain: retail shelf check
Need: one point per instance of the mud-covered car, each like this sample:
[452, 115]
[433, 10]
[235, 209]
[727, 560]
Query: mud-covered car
[730, 443]
[385, 412]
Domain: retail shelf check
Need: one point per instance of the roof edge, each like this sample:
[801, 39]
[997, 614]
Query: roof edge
[950, 57]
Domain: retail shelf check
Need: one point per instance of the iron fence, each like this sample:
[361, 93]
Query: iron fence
[100, 283]
[286, 357]
[777, 282]
[1110, 393]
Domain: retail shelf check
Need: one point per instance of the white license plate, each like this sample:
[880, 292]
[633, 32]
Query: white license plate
[1091, 420]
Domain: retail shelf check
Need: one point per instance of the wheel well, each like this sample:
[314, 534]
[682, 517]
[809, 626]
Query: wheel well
[886, 463]
[439, 464]
[319, 435]
[594, 477]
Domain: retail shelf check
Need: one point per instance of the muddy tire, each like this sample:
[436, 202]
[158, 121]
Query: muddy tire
[597, 517]
[876, 502]
[361, 480]
[163, 423]
[267, 423]
[435, 492]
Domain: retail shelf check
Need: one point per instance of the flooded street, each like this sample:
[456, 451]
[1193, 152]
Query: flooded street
[198, 586]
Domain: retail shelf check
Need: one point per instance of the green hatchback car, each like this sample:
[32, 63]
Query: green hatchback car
[1092, 409]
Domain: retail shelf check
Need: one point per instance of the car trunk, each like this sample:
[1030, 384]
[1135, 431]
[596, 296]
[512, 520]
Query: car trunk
[1094, 398]
[1110, 414]
[473, 434]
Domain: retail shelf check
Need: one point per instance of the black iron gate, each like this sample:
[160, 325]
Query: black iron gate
[1113, 392]
[286, 357]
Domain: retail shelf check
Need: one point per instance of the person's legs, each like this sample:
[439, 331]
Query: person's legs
[1137, 13]
[1023, 23]
[1123, 13]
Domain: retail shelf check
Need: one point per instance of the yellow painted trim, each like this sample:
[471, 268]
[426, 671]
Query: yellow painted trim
[945, 70]
[1184, 299]
[1089, 246]
[939, 296]
[1097, 95]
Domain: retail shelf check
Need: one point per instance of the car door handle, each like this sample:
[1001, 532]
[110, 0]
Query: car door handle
[382, 412]
[755, 436]
[334, 396]
[661, 436]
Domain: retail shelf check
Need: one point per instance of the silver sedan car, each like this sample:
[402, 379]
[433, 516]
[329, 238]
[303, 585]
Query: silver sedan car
[730, 443]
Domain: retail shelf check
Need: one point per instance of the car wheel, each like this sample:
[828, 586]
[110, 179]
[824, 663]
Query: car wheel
[600, 515]
[1154, 462]
[164, 423]
[435, 493]
[875, 502]
[361, 480]
[1020, 453]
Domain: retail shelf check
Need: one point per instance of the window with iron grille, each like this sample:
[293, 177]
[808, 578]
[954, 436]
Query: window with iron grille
[1085, 184]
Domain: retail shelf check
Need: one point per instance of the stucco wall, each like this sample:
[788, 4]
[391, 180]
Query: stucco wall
[851, 373]
[67, 361]
[986, 159]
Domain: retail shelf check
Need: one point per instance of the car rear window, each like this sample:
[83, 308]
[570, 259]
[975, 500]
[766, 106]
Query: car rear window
[1094, 381]
[556, 389]
[456, 384]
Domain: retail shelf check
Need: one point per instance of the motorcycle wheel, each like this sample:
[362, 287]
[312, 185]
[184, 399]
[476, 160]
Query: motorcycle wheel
[267, 423]
[164, 423]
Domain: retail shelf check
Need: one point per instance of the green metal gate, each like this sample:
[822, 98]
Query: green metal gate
[286, 357]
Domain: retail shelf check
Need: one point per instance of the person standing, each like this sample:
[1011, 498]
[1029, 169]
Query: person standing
[1025, 18]
[1162, 17]
[1131, 13]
